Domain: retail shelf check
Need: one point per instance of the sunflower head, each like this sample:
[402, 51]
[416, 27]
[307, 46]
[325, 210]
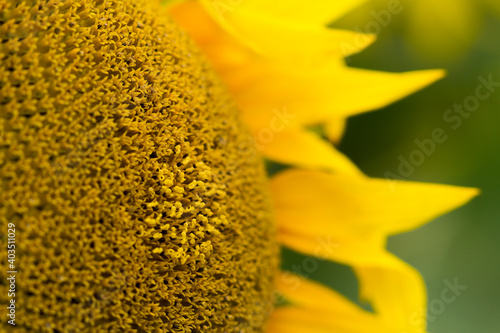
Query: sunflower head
[137, 197]
[133, 185]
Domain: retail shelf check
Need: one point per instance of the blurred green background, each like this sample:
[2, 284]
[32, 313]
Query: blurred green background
[464, 244]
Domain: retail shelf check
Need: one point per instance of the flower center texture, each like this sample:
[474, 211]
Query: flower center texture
[138, 199]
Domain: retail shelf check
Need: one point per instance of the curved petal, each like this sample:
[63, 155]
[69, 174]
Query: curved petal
[317, 203]
[316, 12]
[316, 308]
[309, 294]
[347, 219]
[298, 320]
[321, 93]
[302, 148]
[353, 251]
[275, 34]
[397, 293]
[395, 290]
[316, 90]
[335, 128]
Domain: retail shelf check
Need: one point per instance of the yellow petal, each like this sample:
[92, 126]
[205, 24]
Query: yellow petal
[198, 23]
[347, 218]
[396, 292]
[316, 91]
[316, 203]
[322, 93]
[224, 51]
[345, 249]
[309, 294]
[280, 35]
[317, 12]
[335, 128]
[316, 308]
[298, 320]
[302, 148]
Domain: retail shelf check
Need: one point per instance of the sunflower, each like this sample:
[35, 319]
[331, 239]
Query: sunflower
[132, 170]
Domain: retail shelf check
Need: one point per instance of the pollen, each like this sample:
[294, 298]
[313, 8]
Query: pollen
[138, 200]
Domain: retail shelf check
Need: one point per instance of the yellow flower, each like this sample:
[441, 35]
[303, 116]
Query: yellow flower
[281, 56]
[136, 200]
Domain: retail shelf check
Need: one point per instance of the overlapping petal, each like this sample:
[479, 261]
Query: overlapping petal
[315, 308]
[302, 148]
[397, 293]
[348, 218]
[273, 33]
[320, 90]
[395, 290]
[340, 204]
[316, 91]
[316, 12]
[318, 94]
[334, 129]
[331, 211]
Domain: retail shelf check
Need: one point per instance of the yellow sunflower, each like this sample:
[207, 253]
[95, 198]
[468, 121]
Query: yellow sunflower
[134, 198]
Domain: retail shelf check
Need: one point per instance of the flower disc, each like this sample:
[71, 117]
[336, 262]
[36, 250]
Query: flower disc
[138, 201]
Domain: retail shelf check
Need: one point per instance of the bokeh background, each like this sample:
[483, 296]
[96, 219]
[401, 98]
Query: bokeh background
[462, 37]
